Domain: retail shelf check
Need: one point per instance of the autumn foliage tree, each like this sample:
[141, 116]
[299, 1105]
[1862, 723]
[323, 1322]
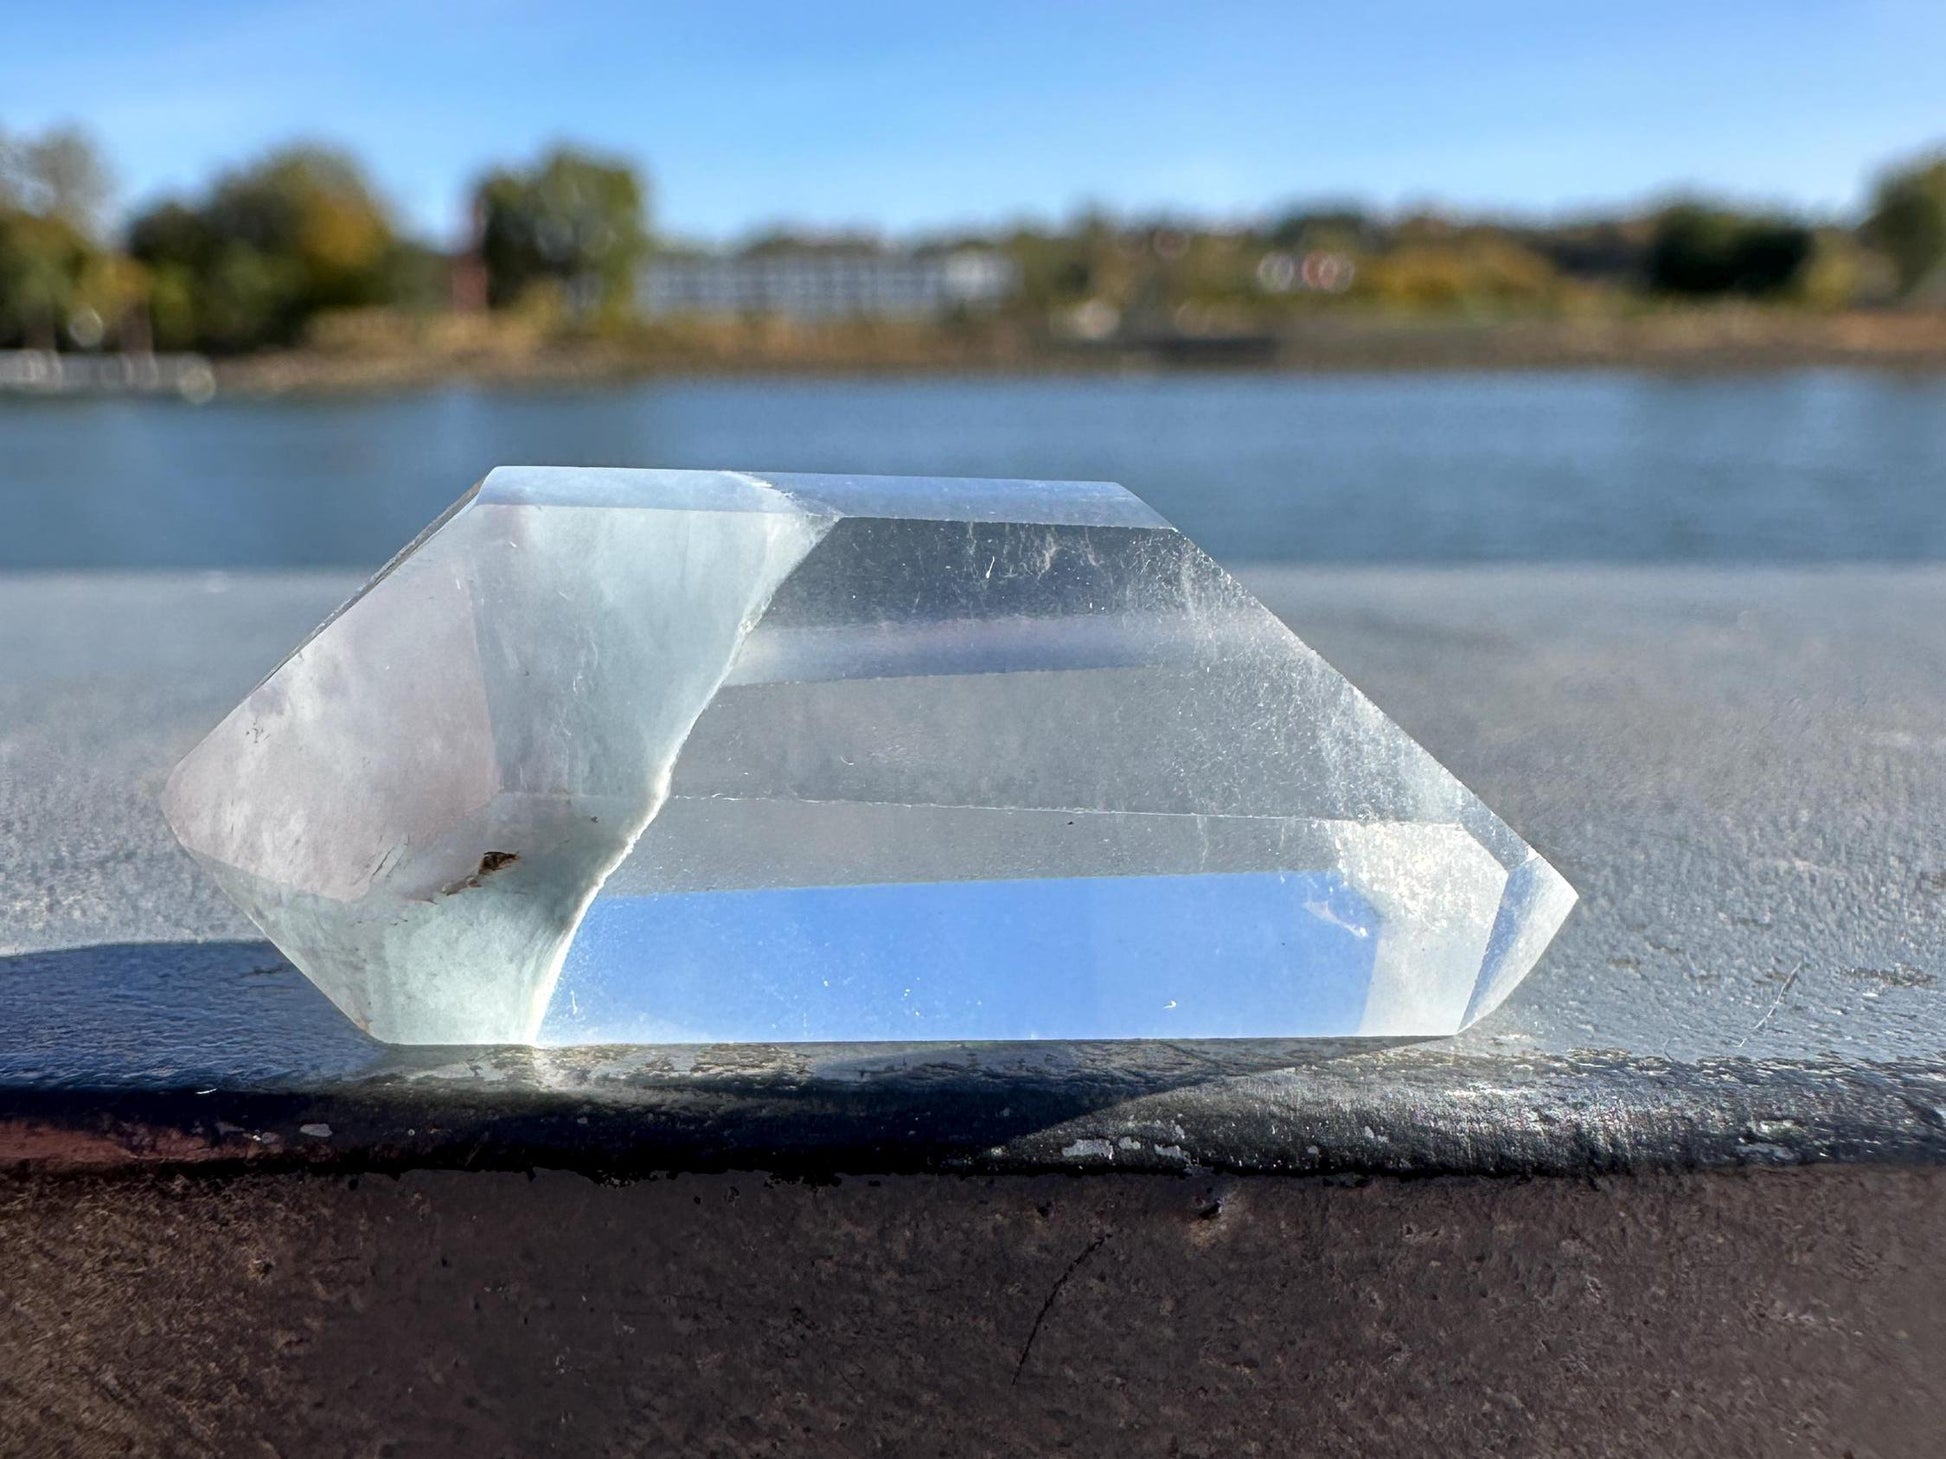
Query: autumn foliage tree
[266, 249]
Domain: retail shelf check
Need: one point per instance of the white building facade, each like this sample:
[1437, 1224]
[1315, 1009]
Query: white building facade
[829, 285]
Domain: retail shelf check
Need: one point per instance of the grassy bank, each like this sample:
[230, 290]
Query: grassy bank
[393, 351]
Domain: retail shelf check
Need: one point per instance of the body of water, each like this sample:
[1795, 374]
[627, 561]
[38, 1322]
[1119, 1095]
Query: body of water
[1811, 466]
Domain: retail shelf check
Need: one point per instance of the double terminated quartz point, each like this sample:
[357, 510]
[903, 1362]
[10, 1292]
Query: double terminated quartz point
[681, 756]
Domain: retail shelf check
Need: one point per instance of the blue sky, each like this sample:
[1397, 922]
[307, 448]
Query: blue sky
[914, 116]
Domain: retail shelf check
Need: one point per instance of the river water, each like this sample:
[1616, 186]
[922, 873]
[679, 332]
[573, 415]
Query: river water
[1599, 466]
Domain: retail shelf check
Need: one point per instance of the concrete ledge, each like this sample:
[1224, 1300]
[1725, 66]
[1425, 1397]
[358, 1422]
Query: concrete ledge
[1740, 770]
[1720, 1315]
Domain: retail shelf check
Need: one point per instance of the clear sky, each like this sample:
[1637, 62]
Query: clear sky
[917, 115]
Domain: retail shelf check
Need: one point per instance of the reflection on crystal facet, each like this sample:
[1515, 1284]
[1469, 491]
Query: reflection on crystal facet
[701, 756]
[1221, 955]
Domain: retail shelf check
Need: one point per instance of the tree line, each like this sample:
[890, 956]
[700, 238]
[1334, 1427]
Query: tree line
[251, 260]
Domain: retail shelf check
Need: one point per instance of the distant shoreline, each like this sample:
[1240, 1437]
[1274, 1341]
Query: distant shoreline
[1677, 342]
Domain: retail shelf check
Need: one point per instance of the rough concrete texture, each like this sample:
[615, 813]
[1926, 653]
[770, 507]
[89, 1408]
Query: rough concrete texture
[1740, 769]
[1755, 1313]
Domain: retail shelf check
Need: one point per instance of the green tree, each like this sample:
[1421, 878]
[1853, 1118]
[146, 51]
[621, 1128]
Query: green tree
[40, 261]
[271, 245]
[1340, 227]
[1908, 225]
[59, 174]
[573, 219]
[55, 277]
[1702, 251]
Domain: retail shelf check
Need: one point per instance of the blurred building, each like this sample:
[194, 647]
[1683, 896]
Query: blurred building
[819, 285]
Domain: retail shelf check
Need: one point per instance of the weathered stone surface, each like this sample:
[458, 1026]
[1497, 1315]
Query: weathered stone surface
[1740, 770]
[486, 1314]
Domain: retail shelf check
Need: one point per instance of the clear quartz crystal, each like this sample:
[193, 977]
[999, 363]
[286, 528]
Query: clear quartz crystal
[685, 756]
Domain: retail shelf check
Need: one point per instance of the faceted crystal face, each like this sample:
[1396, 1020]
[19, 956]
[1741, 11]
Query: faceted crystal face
[671, 756]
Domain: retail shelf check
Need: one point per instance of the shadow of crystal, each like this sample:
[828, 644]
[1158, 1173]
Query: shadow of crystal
[152, 1015]
[236, 1017]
